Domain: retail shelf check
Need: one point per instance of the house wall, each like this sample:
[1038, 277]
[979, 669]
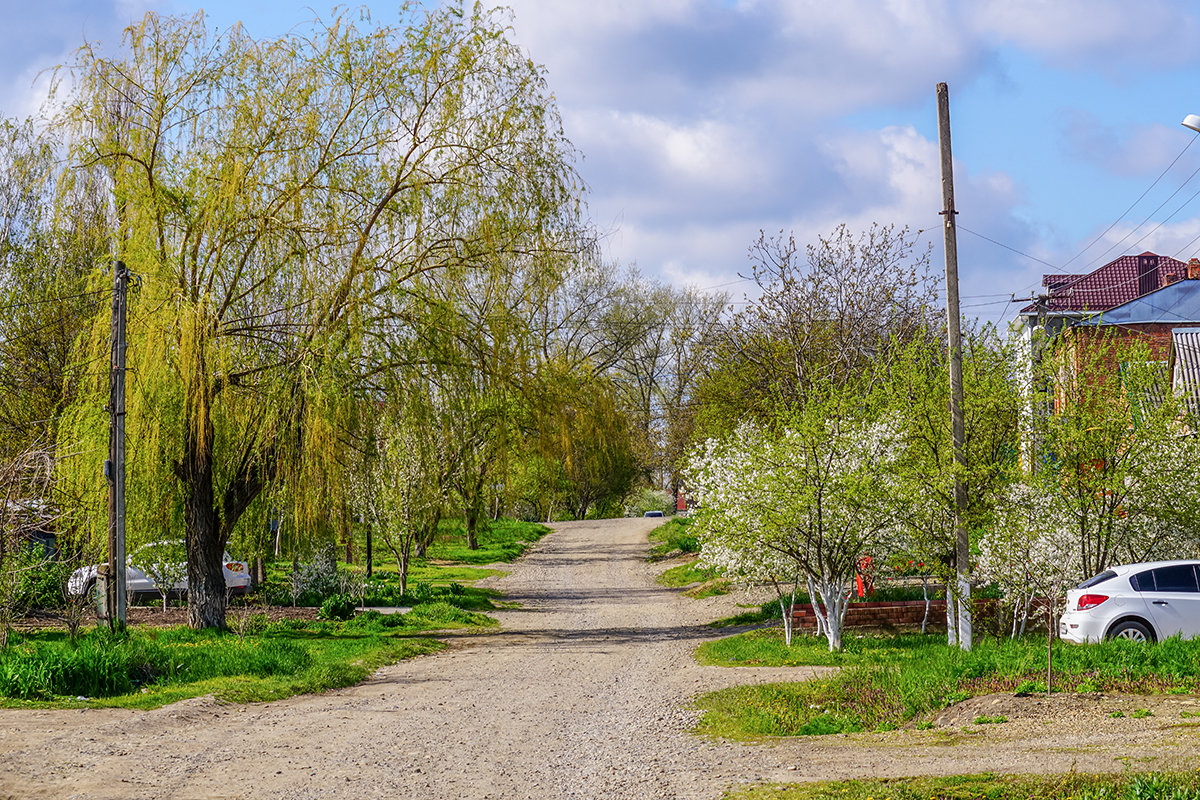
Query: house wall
[1088, 355]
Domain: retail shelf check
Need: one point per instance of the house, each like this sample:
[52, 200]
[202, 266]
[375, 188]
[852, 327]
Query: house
[1073, 298]
[1166, 321]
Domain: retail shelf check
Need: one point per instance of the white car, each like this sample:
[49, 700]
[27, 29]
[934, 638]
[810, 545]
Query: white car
[1143, 602]
[139, 584]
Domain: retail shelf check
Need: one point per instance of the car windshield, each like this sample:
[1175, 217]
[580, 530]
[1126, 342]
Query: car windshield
[1108, 574]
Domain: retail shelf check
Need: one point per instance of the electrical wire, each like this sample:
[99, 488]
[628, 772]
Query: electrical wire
[1115, 222]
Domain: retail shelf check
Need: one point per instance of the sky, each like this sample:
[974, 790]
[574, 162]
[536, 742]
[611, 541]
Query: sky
[702, 123]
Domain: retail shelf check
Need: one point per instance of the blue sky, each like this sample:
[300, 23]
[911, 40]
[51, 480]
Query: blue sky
[703, 121]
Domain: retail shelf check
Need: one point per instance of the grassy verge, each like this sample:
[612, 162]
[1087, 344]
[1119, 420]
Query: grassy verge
[757, 615]
[687, 574]
[889, 681]
[502, 540]
[1129, 786]
[446, 572]
[146, 668]
[672, 538]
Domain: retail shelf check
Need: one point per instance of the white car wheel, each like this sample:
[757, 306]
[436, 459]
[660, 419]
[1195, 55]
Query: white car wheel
[1132, 630]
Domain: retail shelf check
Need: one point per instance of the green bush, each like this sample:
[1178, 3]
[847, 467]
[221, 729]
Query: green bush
[40, 580]
[338, 606]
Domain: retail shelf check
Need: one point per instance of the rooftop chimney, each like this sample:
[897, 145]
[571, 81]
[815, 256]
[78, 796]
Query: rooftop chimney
[1193, 269]
[1147, 272]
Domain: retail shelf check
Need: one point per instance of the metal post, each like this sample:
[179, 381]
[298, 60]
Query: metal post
[962, 549]
[115, 468]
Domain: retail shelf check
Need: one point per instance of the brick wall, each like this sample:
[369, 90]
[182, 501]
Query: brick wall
[908, 614]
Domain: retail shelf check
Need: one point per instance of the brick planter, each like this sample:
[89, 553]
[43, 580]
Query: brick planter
[904, 614]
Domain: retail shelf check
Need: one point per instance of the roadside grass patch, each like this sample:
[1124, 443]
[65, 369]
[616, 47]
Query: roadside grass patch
[1128, 786]
[149, 667]
[501, 540]
[687, 574]
[890, 681]
[764, 613]
[424, 572]
[711, 588]
[449, 562]
[672, 538]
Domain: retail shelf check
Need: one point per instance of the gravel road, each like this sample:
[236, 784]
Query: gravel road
[584, 693]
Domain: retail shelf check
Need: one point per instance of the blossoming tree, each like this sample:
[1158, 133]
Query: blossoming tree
[802, 500]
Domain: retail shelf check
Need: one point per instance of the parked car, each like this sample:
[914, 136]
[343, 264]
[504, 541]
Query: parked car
[140, 586]
[1143, 602]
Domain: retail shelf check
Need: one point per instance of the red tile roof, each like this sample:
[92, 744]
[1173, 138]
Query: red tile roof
[1117, 282]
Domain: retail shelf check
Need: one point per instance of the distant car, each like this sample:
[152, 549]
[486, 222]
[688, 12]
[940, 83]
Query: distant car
[1142, 602]
[140, 586]
[653, 514]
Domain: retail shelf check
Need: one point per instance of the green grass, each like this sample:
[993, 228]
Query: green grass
[764, 613]
[672, 538]
[711, 588]
[424, 572]
[149, 667]
[1129, 786]
[687, 574]
[449, 562]
[890, 681]
[502, 540]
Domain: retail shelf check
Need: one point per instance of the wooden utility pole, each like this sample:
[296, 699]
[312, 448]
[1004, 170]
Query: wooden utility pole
[115, 468]
[962, 547]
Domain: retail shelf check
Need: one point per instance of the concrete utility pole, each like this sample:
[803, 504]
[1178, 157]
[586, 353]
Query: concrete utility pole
[962, 548]
[115, 467]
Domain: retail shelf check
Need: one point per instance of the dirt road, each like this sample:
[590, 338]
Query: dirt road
[585, 693]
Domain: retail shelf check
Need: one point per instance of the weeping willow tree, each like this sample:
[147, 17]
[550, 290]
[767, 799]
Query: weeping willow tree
[283, 203]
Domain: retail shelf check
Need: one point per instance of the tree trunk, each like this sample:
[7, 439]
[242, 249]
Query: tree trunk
[951, 617]
[205, 572]
[207, 530]
[370, 555]
[405, 552]
[472, 516]
[426, 536]
[836, 600]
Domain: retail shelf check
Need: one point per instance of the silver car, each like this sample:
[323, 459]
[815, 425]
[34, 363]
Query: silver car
[139, 584]
[1143, 602]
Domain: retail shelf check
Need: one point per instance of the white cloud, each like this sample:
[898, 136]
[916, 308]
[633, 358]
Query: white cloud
[1131, 150]
[1149, 32]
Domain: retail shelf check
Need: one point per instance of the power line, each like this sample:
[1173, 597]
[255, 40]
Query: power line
[1134, 203]
[962, 227]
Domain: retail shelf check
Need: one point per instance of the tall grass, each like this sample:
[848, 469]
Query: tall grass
[106, 665]
[889, 681]
[149, 667]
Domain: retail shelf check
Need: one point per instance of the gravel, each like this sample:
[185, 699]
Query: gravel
[584, 693]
